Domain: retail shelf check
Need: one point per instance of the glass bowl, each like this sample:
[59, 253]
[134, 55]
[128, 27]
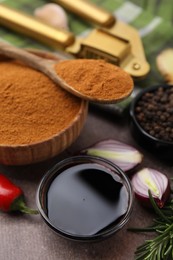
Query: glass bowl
[85, 198]
[160, 147]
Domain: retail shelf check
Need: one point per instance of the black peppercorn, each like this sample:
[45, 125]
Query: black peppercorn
[154, 112]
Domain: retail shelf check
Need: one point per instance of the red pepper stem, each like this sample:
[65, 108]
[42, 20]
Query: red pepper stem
[24, 209]
[19, 205]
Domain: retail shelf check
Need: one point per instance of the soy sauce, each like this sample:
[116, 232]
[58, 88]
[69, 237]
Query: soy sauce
[86, 199]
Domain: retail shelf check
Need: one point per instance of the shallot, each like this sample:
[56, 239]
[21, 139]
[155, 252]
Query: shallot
[121, 154]
[154, 181]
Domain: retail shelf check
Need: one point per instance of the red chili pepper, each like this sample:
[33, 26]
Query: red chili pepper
[12, 197]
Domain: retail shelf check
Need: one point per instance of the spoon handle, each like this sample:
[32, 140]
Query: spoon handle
[29, 59]
[35, 62]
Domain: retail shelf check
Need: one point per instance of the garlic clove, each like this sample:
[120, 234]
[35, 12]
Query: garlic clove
[53, 15]
[153, 180]
[123, 155]
[164, 62]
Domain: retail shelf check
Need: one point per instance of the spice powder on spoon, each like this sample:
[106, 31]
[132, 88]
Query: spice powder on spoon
[32, 107]
[96, 78]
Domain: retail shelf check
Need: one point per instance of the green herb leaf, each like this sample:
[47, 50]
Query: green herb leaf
[160, 247]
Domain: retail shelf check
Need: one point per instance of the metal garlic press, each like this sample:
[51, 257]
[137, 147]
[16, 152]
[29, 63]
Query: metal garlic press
[112, 40]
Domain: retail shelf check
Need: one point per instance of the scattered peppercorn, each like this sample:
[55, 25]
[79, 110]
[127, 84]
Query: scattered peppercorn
[154, 112]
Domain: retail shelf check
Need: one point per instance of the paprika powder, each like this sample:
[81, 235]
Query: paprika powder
[32, 107]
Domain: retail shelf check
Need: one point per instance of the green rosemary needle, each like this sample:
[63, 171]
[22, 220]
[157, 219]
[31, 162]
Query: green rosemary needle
[161, 247]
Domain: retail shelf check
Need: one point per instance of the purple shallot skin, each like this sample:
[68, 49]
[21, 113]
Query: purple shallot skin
[119, 153]
[153, 180]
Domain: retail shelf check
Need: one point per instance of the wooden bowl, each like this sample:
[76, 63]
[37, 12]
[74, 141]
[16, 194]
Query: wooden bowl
[39, 151]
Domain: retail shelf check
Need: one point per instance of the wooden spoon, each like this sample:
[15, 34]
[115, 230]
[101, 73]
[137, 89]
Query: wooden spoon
[48, 68]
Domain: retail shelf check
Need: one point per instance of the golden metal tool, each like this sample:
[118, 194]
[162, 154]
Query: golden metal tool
[88, 11]
[26, 24]
[122, 47]
[115, 37]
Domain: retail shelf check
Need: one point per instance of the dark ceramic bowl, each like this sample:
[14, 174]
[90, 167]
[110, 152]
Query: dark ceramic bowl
[85, 199]
[161, 148]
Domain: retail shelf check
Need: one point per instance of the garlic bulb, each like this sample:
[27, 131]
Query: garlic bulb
[53, 15]
[164, 62]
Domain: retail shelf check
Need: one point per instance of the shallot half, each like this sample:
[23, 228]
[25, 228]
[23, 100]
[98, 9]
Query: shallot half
[154, 181]
[121, 154]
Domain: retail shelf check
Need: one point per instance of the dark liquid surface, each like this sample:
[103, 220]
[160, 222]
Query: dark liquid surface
[85, 199]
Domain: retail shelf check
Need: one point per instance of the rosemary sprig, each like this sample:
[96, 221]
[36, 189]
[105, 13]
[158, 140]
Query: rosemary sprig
[161, 247]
